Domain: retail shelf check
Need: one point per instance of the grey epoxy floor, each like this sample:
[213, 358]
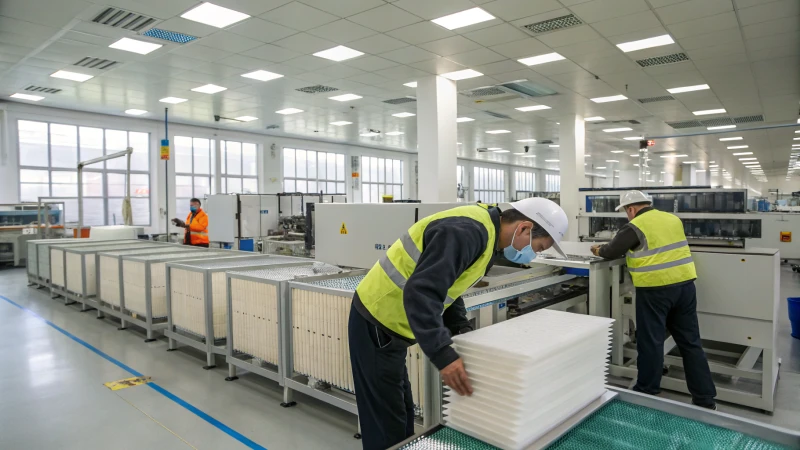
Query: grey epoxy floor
[52, 393]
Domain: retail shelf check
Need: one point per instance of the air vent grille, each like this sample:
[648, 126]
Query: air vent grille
[43, 89]
[96, 63]
[554, 24]
[718, 122]
[662, 98]
[661, 60]
[685, 124]
[400, 101]
[749, 119]
[484, 92]
[497, 115]
[120, 18]
[171, 36]
[546, 141]
[318, 89]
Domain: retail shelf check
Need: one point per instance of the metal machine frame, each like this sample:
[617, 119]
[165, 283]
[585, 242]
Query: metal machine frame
[55, 290]
[33, 262]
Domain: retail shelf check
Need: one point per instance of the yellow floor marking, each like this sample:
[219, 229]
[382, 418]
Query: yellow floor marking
[126, 383]
[154, 420]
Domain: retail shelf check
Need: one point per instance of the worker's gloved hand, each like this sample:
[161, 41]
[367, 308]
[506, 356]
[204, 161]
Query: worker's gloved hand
[596, 250]
[179, 223]
[455, 376]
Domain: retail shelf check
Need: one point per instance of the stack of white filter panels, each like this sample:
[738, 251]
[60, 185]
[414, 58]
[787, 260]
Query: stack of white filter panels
[415, 364]
[529, 374]
[187, 296]
[52, 259]
[135, 289]
[109, 264]
[254, 307]
[87, 255]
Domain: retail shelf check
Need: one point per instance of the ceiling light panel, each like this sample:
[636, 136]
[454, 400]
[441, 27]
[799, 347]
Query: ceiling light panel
[616, 130]
[497, 131]
[613, 98]
[541, 59]
[722, 127]
[394, 133]
[345, 97]
[262, 75]
[74, 76]
[135, 112]
[214, 15]
[246, 118]
[617, 151]
[706, 112]
[742, 153]
[464, 119]
[633, 138]
[341, 123]
[339, 53]
[462, 74]
[463, 18]
[554, 146]
[551, 160]
[502, 151]
[209, 89]
[532, 108]
[734, 147]
[679, 90]
[411, 84]
[731, 139]
[288, 111]
[404, 114]
[646, 43]
[594, 119]
[135, 46]
[748, 159]
[172, 100]
[33, 98]
[526, 140]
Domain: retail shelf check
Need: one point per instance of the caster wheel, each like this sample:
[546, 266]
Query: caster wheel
[149, 340]
[288, 405]
[122, 328]
[231, 378]
[357, 436]
[171, 349]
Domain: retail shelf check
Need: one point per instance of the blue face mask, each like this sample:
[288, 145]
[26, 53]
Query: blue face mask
[193, 208]
[524, 256]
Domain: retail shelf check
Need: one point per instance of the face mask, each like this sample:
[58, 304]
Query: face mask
[193, 208]
[524, 256]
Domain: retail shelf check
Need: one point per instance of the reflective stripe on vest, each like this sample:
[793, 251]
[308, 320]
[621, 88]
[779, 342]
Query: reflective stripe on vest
[663, 256]
[381, 290]
[199, 233]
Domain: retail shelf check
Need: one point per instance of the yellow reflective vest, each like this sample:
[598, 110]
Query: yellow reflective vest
[663, 255]
[381, 291]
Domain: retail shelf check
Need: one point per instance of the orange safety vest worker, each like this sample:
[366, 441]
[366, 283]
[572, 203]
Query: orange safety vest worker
[197, 232]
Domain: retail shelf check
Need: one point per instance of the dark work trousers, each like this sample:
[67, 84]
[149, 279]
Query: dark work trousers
[383, 392]
[672, 308]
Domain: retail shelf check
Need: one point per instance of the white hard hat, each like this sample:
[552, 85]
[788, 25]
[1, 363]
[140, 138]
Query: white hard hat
[631, 197]
[548, 215]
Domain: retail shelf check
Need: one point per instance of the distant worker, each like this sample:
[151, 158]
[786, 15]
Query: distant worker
[663, 273]
[196, 225]
[413, 294]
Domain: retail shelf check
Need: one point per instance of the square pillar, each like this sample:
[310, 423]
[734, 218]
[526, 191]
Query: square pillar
[436, 139]
[572, 141]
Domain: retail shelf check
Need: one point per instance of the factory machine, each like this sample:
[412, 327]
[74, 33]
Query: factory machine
[266, 223]
[20, 223]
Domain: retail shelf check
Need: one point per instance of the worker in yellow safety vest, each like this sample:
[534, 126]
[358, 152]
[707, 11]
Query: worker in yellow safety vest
[413, 294]
[663, 273]
[196, 225]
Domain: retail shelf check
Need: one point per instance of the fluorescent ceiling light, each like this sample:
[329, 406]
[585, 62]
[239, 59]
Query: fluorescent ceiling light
[796, 139]
[615, 130]
[462, 74]
[674, 156]
[173, 100]
[635, 154]
[634, 138]
[690, 162]
[519, 153]
[262, 75]
[554, 146]
[33, 98]
[216, 16]
[532, 108]
[497, 131]
[731, 139]
[404, 114]
[734, 147]
[748, 159]
[135, 112]
[700, 170]
[288, 111]
[74, 76]
[742, 153]
[341, 123]
[135, 46]
[798, 131]
[598, 168]
[617, 151]
[612, 160]
[491, 149]
[411, 84]
[339, 53]
[464, 119]
[646, 43]
[394, 133]
[529, 156]
[209, 89]
[678, 90]
[706, 112]
[502, 151]
[550, 160]
[723, 127]
[345, 97]
[613, 98]
[541, 59]
[369, 134]
[246, 118]
[594, 119]
[526, 140]
[463, 18]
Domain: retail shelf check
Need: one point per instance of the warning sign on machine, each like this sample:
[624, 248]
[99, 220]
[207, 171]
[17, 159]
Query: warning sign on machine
[343, 230]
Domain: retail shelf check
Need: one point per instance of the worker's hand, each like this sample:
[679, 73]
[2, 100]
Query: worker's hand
[596, 250]
[455, 376]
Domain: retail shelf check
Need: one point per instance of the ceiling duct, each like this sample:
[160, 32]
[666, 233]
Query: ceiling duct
[317, 89]
[662, 60]
[663, 98]
[43, 89]
[510, 90]
[717, 122]
[171, 36]
[685, 124]
[400, 101]
[120, 18]
[553, 24]
[546, 141]
[96, 63]
[497, 115]
[749, 119]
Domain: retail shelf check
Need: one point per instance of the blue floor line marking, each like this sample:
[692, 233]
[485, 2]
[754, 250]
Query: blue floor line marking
[188, 406]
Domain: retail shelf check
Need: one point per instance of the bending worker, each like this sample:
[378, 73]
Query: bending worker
[663, 273]
[196, 225]
[412, 294]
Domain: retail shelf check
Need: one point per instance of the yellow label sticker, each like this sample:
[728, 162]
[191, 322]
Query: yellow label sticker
[343, 230]
[127, 382]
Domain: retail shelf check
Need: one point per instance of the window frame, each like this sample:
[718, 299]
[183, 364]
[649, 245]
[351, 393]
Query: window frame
[552, 182]
[489, 184]
[380, 186]
[295, 180]
[223, 172]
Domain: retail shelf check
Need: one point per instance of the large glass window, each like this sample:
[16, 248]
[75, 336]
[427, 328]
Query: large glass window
[49, 154]
[552, 182]
[381, 176]
[308, 171]
[193, 177]
[239, 174]
[462, 191]
[525, 182]
[490, 185]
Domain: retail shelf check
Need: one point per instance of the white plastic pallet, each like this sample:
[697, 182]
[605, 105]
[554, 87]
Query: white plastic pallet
[529, 374]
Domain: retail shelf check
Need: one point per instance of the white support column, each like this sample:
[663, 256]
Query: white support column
[689, 177]
[572, 139]
[436, 139]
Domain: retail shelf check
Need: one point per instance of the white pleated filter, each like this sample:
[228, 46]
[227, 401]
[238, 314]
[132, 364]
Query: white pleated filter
[110, 265]
[73, 273]
[529, 374]
[254, 307]
[75, 269]
[32, 263]
[133, 279]
[56, 267]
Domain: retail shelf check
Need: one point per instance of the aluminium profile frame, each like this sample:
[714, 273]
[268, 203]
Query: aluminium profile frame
[61, 291]
[207, 343]
[33, 269]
